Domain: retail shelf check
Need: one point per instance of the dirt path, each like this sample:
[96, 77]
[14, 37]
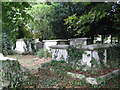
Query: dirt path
[29, 61]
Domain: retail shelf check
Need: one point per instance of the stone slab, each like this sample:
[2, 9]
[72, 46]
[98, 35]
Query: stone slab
[75, 75]
[100, 79]
[4, 83]
[97, 80]
[59, 46]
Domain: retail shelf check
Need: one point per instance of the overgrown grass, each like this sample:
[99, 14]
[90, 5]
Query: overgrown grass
[53, 75]
[61, 67]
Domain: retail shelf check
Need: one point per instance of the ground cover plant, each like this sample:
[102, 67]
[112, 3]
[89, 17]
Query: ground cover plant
[62, 67]
[52, 74]
[90, 72]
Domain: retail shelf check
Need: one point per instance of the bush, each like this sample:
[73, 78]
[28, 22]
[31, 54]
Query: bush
[43, 53]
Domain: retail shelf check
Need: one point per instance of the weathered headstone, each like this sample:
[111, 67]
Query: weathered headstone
[20, 46]
[83, 41]
[92, 53]
[48, 43]
[59, 52]
[39, 45]
[1, 55]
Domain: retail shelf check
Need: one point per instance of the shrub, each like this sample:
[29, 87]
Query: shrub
[43, 53]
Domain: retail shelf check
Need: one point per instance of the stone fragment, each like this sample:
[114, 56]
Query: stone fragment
[75, 75]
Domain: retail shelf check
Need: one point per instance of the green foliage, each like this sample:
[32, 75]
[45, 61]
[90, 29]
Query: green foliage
[96, 19]
[14, 21]
[41, 23]
[94, 62]
[75, 54]
[64, 10]
[83, 23]
[113, 58]
[6, 44]
[12, 72]
[101, 56]
[58, 67]
[0, 42]
[43, 53]
[61, 67]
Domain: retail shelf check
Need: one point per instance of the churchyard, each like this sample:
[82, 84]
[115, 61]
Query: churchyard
[60, 45]
[64, 65]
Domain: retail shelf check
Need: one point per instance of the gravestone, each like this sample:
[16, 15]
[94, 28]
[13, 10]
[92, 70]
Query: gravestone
[39, 45]
[83, 41]
[48, 43]
[1, 55]
[93, 52]
[23, 46]
[59, 52]
[20, 46]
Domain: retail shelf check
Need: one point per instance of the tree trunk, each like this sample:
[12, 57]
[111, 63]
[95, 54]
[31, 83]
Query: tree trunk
[103, 37]
[111, 39]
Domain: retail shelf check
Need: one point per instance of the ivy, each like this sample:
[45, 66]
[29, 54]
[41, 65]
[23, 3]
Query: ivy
[13, 73]
[101, 56]
[75, 55]
[94, 62]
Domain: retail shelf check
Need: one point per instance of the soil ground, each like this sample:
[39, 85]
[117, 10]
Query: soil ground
[46, 79]
[29, 61]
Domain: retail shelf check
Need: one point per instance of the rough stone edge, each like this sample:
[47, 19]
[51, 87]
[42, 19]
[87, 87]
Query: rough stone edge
[75, 75]
[100, 79]
[97, 80]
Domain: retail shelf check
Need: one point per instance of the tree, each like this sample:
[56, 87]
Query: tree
[98, 21]
[41, 23]
[62, 11]
[14, 20]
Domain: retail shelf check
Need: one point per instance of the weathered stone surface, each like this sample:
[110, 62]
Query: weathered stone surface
[75, 75]
[83, 41]
[59, 46]
[90, 52]
[48, 43]
[20, 46]
[23, 46]
[100, 79]
[59, 52]
[1, 55]
[39, 45]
